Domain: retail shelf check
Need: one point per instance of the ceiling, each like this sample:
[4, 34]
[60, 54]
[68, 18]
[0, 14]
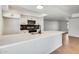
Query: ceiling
[55, 12]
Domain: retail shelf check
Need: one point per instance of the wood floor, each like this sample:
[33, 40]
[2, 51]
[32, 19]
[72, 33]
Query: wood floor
[73, 47]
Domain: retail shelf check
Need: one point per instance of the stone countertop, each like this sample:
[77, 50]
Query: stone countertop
[8, 40]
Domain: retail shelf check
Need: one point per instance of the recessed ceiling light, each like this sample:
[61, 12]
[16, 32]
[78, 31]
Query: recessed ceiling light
[39, 7]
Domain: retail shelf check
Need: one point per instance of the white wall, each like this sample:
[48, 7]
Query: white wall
[74, 27]
[51, 26]
[1, 21]
[54, 25]
[63, 25]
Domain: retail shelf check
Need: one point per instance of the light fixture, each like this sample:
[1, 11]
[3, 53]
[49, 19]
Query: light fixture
[39, 7]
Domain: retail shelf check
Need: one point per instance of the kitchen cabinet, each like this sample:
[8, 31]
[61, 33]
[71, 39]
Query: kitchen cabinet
[11, 15]
[11, 23]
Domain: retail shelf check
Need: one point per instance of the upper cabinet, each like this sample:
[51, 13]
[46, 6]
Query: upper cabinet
[11, 15]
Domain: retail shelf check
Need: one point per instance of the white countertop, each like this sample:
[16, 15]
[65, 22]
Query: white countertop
[8, 40]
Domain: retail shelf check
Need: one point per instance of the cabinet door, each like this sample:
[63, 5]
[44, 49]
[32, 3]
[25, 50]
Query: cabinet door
[11, 26]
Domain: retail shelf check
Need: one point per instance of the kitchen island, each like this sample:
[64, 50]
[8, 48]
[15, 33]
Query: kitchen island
[25, 43]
